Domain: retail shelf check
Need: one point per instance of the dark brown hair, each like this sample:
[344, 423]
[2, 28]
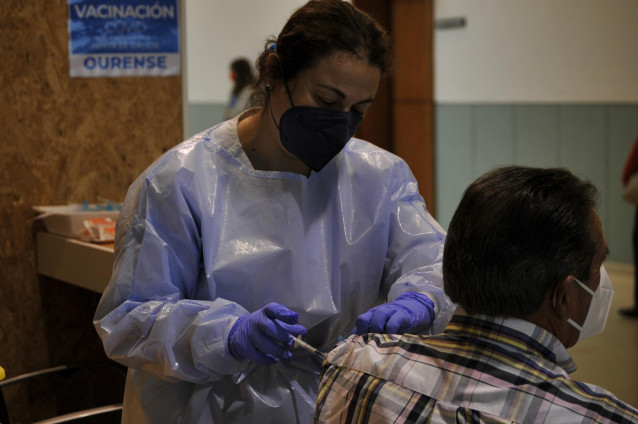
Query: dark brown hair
[317, 30]
[516, 233]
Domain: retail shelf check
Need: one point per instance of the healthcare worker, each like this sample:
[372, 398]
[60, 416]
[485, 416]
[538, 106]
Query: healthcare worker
[274, 224]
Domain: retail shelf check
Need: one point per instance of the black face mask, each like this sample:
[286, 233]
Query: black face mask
[315, 135]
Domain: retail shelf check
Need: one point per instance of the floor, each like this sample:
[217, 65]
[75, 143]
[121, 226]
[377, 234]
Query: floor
[610, 359]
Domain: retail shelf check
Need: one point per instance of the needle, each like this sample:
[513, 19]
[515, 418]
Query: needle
[304, 345]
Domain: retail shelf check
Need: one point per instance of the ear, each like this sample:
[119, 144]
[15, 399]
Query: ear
[563, 298]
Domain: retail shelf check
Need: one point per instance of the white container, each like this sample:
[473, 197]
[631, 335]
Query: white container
[68, 220]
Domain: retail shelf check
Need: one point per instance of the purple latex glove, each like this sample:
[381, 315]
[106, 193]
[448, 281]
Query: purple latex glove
[264, 336]
[409, 311]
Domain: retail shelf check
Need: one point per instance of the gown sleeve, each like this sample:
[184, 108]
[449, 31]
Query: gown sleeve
[147, 317]
[415, 254]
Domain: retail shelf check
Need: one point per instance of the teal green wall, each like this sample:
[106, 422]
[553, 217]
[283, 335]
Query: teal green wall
[203, 116]
[591, 140]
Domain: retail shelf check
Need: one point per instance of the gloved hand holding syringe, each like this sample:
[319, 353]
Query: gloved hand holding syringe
[266, 335]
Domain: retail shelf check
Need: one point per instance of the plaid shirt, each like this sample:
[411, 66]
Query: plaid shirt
[480, 370]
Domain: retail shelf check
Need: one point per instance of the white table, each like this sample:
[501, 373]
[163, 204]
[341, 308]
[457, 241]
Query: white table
[87, 265]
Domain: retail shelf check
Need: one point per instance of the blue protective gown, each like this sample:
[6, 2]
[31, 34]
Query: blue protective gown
[203, 238]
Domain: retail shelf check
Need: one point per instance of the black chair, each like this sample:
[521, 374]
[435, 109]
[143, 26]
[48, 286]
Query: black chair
[62, 378]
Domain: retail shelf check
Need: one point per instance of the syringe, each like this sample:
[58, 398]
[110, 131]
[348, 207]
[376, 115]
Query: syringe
[300, 343]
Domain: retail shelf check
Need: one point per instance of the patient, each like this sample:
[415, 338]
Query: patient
[524, 261]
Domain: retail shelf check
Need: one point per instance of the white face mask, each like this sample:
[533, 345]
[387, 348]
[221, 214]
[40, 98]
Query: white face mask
[598, 308]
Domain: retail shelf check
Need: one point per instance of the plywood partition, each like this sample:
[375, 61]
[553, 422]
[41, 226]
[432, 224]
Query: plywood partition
[62, 140]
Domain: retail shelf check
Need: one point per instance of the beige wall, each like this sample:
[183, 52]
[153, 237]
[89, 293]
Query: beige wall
[62, 140]
[537, 51]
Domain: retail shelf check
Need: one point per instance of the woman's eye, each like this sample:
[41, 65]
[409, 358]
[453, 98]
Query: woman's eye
[326, 103]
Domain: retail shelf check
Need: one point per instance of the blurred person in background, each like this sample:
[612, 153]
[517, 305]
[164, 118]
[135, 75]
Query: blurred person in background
[241, 74]
[630, 169]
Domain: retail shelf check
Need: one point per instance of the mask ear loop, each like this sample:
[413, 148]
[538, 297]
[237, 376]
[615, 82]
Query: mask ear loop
[269, 88]
[569, 320]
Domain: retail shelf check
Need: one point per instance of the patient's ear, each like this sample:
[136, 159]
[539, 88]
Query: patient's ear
[563, 298]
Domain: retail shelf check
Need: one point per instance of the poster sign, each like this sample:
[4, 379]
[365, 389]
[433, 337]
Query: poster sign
[119, 38]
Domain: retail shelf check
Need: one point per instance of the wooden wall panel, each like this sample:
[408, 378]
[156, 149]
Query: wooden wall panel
[413, 102]
[413, 40]
[402, 117]
[377, 126]
[63, 140]
[416, 122]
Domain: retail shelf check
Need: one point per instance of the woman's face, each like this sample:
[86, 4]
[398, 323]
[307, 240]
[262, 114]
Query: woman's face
[340, 82]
